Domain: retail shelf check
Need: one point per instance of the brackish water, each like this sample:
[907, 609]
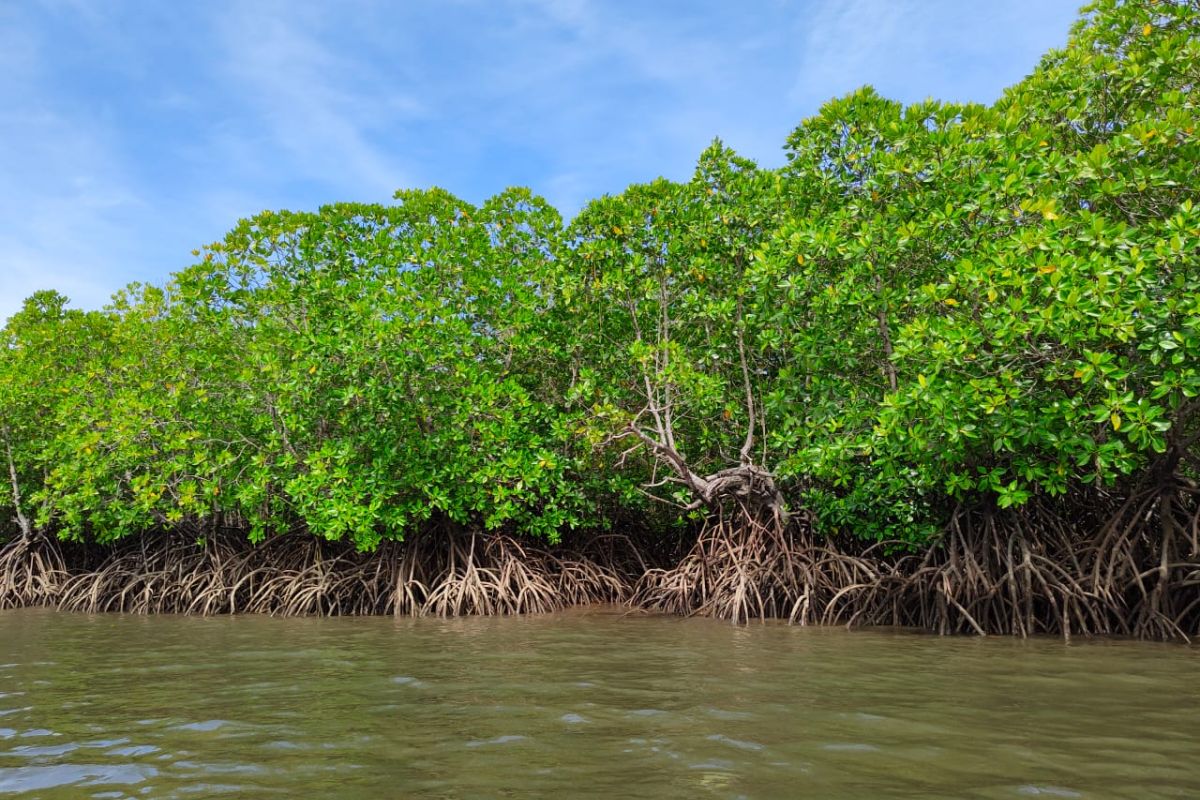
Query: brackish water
[581, 704]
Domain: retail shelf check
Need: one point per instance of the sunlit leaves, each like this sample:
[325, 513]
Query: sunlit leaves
[938, 304]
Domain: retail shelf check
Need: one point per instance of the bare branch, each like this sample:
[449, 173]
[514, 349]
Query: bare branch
[748, 444]
[22, 520]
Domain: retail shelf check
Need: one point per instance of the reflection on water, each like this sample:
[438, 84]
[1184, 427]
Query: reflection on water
[581, 704]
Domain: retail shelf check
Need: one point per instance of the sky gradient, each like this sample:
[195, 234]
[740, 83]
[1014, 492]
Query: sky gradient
[134, 131]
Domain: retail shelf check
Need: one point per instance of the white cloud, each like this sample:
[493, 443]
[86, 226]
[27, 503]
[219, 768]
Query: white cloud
[843, 43]
[316, 104]
[65, 202]
[136, 131]
[915, 49]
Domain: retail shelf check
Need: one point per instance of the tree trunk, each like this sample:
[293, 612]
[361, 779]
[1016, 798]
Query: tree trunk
[22, 520]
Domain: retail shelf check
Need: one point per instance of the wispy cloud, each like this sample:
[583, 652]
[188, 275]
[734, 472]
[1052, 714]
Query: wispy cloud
[910, 51]
[136, 131]
[66, 199]
[328, 110]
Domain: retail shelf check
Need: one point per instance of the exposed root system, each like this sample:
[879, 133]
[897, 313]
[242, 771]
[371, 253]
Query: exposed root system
[31, 572]
[992, 573]
[744, 566]
[1145, 564]
[492, 575]
[1027, 572]
[304, 575]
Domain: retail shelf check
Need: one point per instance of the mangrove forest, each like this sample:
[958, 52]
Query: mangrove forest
[941, 370]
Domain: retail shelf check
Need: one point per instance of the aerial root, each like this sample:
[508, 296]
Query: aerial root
[1024, 572]
[1013, 574]
[1146, 561]
[303, 575]
[1035, 570]
[745, 567]
[492, 574]
[31, 571]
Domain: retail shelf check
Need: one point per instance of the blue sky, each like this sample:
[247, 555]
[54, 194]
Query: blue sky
[133, 131]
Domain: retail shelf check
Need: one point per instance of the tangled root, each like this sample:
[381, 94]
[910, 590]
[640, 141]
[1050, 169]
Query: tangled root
[1014, 574]
[303, 575]
[745, 567]
[1025, 572]
[1120, 566]
[1041, 570]
[495, 574]
[489, 577]
[175, 573]
[31, 572]
[1145, 563]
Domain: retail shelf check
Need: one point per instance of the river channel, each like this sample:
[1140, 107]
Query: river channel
[582, 704]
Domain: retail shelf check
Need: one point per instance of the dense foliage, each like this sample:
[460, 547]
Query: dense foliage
[929, 308]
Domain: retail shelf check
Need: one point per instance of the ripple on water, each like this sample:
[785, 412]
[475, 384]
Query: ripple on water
[1047, 791]
[34, 751]
[507, 739]
[408, 680]
[40, 778]
[728, 716]
[740, 744]
[133, 751]
[849, 747]
[636, 708]
[36, 733]
[204, 726]
[646, 712]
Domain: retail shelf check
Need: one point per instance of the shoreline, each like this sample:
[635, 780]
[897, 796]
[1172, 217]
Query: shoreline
[798, 579]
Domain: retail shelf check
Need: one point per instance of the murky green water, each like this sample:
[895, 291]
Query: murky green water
[581, 705]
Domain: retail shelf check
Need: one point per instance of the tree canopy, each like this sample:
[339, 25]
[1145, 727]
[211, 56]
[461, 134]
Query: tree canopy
[929, 307]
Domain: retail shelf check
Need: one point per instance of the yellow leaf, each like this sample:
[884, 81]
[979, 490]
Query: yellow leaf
[950, 301]
[992, 295]
[921, 380]
[617, 230]
[1147, 29]
[1043, 143]
[1078, 373]
[312, 369]
[1116, 421]
[800, 258]
[1046, 270]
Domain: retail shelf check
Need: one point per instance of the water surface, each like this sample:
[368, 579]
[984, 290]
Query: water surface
[581, 704]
